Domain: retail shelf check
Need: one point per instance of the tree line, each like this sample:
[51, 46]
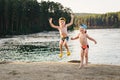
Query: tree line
[107, 20]
[29, 16]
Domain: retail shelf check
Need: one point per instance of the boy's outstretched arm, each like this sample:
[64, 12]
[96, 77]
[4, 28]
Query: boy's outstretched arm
[75, 37]
[90, 38]
[51, 24]
[71, 21]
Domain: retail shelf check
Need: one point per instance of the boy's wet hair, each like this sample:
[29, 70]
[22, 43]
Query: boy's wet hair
[62, 18]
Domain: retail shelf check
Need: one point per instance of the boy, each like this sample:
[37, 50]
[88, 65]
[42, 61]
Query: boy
[63, 33]
[83, 36]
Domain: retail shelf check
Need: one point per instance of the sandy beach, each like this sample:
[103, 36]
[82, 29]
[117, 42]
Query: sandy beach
[57, 71]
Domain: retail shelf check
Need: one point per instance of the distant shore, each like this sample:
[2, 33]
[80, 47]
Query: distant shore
[57, 71]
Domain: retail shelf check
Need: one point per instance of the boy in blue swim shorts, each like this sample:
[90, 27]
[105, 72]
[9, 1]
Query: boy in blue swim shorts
[62, 28]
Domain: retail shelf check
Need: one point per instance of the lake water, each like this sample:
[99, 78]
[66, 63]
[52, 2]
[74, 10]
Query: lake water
[45, 47]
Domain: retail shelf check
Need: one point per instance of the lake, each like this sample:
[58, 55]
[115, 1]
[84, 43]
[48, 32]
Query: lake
[44, 46]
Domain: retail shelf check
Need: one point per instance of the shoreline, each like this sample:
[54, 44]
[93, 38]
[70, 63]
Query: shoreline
[71, 61]
[57, 71]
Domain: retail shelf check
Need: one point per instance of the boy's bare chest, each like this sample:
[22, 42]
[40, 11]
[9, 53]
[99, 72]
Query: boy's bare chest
[64, 29]
[82, 36]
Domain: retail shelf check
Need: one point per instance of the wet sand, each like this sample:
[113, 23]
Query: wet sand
[57, 71]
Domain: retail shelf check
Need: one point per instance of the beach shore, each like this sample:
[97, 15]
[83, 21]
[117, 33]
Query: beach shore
[57, 71]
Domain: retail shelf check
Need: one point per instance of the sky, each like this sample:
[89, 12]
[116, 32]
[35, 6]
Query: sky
[90, 6]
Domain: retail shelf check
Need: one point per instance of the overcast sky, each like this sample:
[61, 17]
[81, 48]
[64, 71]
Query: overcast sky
[90, 6]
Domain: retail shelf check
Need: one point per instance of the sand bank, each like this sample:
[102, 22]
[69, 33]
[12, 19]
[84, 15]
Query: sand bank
[57, 71]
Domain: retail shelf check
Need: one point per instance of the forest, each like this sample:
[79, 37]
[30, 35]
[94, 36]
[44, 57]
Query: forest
[107, 20]
[29, 16]
[19, 17]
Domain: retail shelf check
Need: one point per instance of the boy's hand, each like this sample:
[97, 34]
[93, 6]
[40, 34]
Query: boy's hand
[72, 38]
[50, 20]
[95, 42]
[72, 16]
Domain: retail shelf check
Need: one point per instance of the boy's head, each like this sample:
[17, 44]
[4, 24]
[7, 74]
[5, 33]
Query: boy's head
[83, 27]
[62, 21]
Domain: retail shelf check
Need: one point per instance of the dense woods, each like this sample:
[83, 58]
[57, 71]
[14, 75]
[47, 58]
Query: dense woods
[107, 20]
[30, 16]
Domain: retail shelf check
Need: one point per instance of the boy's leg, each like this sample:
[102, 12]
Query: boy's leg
[86, 56]
[60, 45]
[66, 46]
[82, 59]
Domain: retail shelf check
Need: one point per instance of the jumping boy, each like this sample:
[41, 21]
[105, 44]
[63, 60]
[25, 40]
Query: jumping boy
[83, 36]
[63, 33]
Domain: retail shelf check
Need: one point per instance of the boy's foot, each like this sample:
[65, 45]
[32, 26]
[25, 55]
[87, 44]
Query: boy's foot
[81, 66]
[85, 65]
[68, 53]
[60, 55]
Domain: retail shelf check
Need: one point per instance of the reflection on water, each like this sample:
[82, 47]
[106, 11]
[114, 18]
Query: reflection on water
[37, 47]
[28, 51]
[45, 47]
[50, 47]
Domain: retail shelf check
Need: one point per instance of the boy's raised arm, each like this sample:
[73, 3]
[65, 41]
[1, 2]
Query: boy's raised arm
[71, 21]
[51, 24]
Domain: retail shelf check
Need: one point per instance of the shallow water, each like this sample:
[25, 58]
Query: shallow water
[107, 49]
[45, 47]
